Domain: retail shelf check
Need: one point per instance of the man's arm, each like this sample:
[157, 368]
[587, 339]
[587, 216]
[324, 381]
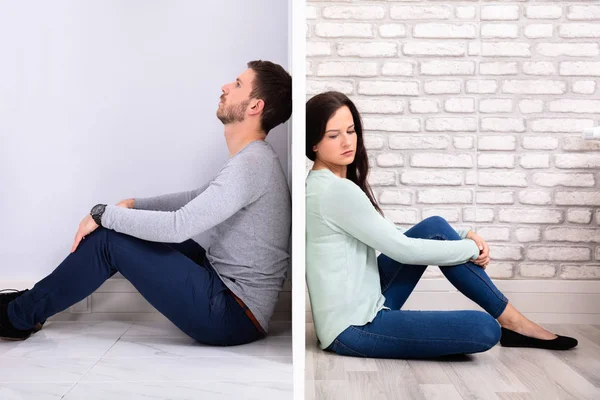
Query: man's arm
[238, 184]
[167, 202]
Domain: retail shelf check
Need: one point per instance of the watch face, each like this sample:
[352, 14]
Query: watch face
[97, 208]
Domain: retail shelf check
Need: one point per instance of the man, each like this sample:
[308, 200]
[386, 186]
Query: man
[223, 295]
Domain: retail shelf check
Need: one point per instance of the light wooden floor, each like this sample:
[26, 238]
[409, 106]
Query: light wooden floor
[499, 374]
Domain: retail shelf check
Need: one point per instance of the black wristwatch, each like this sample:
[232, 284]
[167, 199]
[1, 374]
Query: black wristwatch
[97, 212]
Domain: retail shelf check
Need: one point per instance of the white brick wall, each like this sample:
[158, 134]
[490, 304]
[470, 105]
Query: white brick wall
[474, 111]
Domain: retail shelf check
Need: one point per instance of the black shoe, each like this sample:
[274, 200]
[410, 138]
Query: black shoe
[12, 294]
[7, 330]
[513, 339]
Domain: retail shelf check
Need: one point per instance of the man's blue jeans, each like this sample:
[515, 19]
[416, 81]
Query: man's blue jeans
[399, 333]
[176, 278]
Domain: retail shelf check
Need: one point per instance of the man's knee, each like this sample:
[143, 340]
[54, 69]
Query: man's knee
[103, 235]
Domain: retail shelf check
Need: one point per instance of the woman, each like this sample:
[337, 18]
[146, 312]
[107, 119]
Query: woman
[356, 297]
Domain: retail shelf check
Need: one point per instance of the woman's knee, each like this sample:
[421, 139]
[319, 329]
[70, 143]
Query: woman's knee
[436, 220]
[440, 228]
[487, 329]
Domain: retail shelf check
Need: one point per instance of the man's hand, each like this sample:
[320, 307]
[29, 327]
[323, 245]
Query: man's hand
[126, 203]
[484, 251]
[86, 226]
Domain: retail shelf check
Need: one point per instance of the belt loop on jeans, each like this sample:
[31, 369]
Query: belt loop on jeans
[248, 313]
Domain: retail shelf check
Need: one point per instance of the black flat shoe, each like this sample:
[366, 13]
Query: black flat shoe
[513, 339]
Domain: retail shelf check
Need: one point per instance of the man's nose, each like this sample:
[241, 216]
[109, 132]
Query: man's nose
[224, 89]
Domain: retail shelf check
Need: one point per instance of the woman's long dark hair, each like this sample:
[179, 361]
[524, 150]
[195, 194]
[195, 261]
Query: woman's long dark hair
[319, 111]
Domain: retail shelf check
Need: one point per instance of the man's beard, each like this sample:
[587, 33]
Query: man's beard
[234, 113]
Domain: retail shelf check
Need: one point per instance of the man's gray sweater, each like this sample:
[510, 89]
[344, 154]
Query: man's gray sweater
[246, 209]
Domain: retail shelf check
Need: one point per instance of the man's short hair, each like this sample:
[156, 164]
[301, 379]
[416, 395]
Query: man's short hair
[273, 85]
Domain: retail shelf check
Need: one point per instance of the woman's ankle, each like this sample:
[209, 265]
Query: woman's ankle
[513, 326]
[511, 318]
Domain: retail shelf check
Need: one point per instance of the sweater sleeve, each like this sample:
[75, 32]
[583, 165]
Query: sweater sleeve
[462, 232]
[346, 207]
[167, 202]
[239, 183]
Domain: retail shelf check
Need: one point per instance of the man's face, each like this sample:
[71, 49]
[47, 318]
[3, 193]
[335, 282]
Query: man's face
[236, 98]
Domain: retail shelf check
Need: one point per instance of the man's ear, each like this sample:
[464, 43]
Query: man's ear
[257, 107]
[314, 148]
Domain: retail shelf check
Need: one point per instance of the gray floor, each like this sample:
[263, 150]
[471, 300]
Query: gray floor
[142, 360]
[500, 373]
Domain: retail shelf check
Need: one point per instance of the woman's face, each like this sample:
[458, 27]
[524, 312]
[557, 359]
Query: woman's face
[338, 145]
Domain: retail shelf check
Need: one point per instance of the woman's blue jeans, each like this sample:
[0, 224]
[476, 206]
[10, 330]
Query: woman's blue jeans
[176, 278]
[397, 333]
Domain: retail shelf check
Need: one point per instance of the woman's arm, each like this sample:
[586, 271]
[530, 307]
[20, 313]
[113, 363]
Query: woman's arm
[463, 233]
[345, 207]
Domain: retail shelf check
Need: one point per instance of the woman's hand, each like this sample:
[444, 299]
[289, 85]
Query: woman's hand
[484, 251]
[86, 226]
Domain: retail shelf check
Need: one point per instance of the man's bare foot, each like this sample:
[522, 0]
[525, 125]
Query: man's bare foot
[515, 321]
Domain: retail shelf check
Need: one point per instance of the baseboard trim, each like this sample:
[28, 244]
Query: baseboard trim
[117, 299]
[519, 286]
[543, 301]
